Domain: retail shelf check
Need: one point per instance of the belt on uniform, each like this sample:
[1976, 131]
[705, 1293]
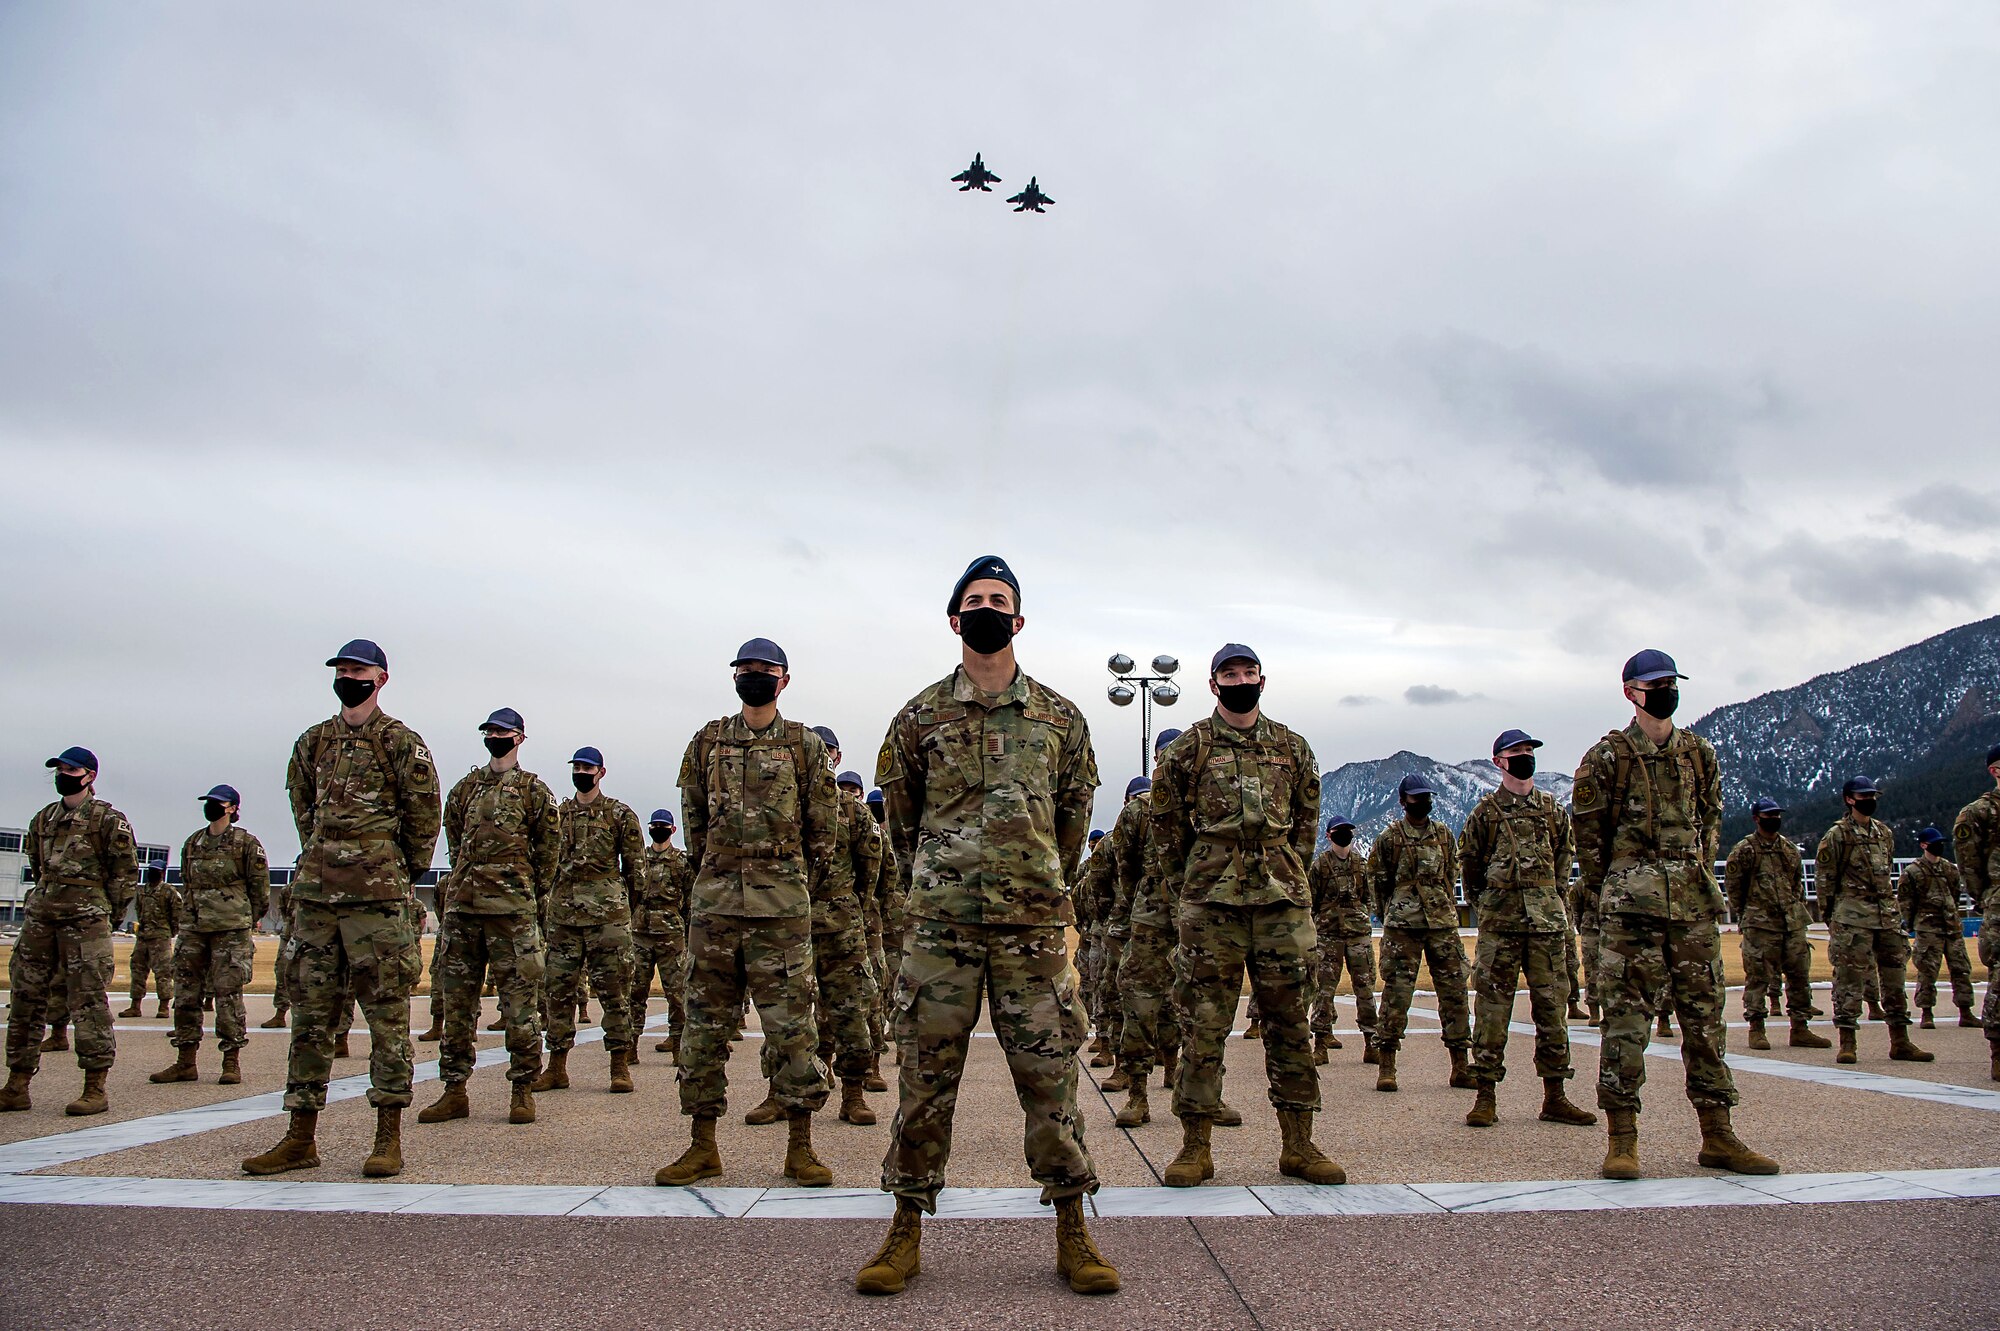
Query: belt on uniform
[745, 853]
[76, 882]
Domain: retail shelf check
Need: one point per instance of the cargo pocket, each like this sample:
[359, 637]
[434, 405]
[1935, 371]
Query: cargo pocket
[1072, 1021]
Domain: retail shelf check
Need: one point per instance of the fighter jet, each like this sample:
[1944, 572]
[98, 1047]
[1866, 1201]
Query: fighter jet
[976, 177]
[1031, 199]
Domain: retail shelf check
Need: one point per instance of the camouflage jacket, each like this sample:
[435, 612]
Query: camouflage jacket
[84, 862]
[661, 906]
[1648, 825]
[1853, 876]
[1340, 894]
[1515, 855]
[1097, 884]
[503, 832]
[1765, 881]
[1141, 880]
[1235, 814]
[759, 809]
[1976, 847]
[1929, 889]
[856, 863]
[889, 893]
[988, 801]
[365, 801]
[1127, 843]
[158, 912]
[1412, 874]
[225, 881]
[598, 862]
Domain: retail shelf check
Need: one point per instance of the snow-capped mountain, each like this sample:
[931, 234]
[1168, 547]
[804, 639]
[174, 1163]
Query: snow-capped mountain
[1366, 791]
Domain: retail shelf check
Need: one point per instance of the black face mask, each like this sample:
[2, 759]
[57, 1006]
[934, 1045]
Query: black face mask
[500, 745]
[986, 630]
[582, 780]
[1660, 703]
[1239, 698]
[213, 809]
[660, 833]
[1419, 806]
[353, 692]
[880, 812]
[1865, 805]
[1341, 836]
[756, 688]
[1521, 766]
[1770, 826]
[67, 784]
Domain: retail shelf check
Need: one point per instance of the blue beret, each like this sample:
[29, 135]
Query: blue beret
[986, 566]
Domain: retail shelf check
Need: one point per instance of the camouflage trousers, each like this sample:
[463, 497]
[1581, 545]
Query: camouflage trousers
[355, 951]
[281, 996]
[1858, 953]
[216, 964]
[58, 1017]
[1772, 957]
[878, 971]
[1588, 942]
[1110, 1007]
[664, 955]
[604, 953]
[1934, 949]
[1276, 944]
[1573, 960]
[1153, 1015]
[436, 977]
[846, 995]
[1354, 953]
[1651, 965]
[1089, 954]
[72, 954]
[1989, 957]
[1023, 971]
[1402, 951]
[509, 948]
[153, 954]
[1505, 958]
[772, 961]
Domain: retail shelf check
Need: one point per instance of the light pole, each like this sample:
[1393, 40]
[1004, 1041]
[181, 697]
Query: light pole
[1158, 687]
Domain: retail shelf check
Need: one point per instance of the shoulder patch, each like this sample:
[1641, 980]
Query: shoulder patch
[1586, 794]
[1965, 831]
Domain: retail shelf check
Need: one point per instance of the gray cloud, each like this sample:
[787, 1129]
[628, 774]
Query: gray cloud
[1433, 695]
[1361, 700]
[1953, 508]
[1882, 575]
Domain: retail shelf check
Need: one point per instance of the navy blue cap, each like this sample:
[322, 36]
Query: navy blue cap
[1164, 738]
[74, 756]
[1338, 820]
[1509, 738]
[986, 566]
[1930, 836]
[225, 793]
[1766, 805]
[762, 650]
[1993, 755]
[874, 796]
[662, 816]
[1096, 835]
[1413, 785]
[1233, 651]
[504, 719]
[1650, 665]
[826, 733]
[850, 779]
[1138, 785]
[586, 754]
[1860, 785]
[360, 652]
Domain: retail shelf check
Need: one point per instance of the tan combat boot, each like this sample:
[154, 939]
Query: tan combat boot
[1966, 1016]
[1666, 1027]
[1901, 1050]
[1170, 1065]
[93, 1100]
[57, 1042]
[1575, 1013]
[1461, 1071]
[1371, 1053]
[621, 1073]
[521, 1104]
[1385, 1068]
[853, 1108]
[132, 1009]
[1848, 1053]
[1226, 1115]
[1194, 1163]
[232, 1069]
[1484, 1109]
[1621, 1158]
[277, 1021]
[768, 1110]
[166, 1010]
[386, 1160]
[1077, 1258]
[1721, 1148]
[499, 1023]
[183, 1068]
[874, 1082]
[452, 1104]
[670, 1045]
[1557, 1107]
[699, 1161]
[1925, 1021]
[1319, 1051]
[1254, 1031]
[15, 1097]
[1874, 1010]
[1298, 1157]
[801, 1165]
[340, 1049]
[1119, 1080]
[901, 1254]
[1136, 1113]
[1758, 1040]
[1803, 1038]
[295, 1150]
[555, 1077]
[431, 1034]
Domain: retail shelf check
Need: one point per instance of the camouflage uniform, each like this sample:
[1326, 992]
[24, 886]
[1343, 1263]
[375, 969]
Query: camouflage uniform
[225, 890]
[1583, 909]
[365, 801]
[758, 809]
[1235, 814]
[1929, 889]
[1114, 892]
[1099, 878]
[889, 904]
[988, 801]
[1976, 843]
[1411, 874]
[1516, 852]
[1858, 900]
[1146, 971]
[1339, 885]
[85, 869]
[1647, 823]
[1083, 900]
[159, 920]
[1765, 880]
[281, 998]
[846, 991]
[659, 934]
[502, 830]
[598, 871]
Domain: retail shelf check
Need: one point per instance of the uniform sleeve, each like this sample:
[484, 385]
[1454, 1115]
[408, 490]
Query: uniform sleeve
[693, 782]
[120, 856]
[1969, 838]
[1076, 789]
[299, 779]
[899, 771]
[631, 853]
[1382, 870]
[1305, 803]
[544, 837]
[1591, 820]
[1450, 844]
[821, 807]
[1910, 886]
[1736, 879]
[1318, 881]
[418, 808]
[1131, 863]
[867, 856]
[256, 876]
[454, 817]
[1709, 806]
[1829, 861]
[176, 915]
[1474, 847]
[1169, 804]
[31, 846]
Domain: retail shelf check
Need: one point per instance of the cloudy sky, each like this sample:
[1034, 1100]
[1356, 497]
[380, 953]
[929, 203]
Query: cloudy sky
[1447, 354]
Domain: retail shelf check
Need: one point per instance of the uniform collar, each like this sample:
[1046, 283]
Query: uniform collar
[1261, 730]
[965, 691]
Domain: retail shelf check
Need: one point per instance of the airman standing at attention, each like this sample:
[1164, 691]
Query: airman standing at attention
[1647, 817]
[85, 868]
[895, 923]
[659, 931]
[1976, 839]
[281, 999]
[1339, 881]
[1765, 881]
[1929, 889]
[1098, 879]
[987, 777]
[1153, 1018]
[225, 890]
[365, 800]
[1089, 920]
[1857, 898]
[1412, 871]
[1127, 844]
[153, 933]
